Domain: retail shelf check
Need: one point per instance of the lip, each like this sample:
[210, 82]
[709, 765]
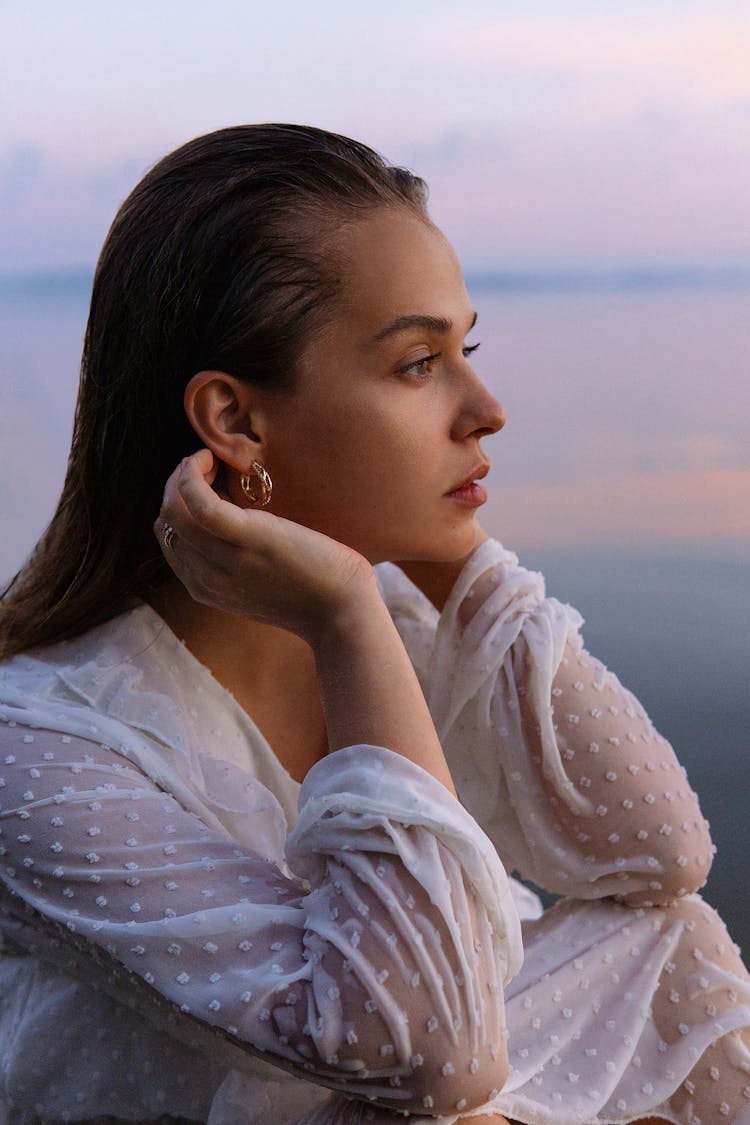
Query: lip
[477, 473]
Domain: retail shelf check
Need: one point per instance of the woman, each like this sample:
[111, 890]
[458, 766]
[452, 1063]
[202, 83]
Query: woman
[274, 310]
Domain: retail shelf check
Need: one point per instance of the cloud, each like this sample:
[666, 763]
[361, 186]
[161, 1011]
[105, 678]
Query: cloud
[702, 55]
[633, 508]
[54, 212]
[115, 180]
[577, 134]
[21, 166]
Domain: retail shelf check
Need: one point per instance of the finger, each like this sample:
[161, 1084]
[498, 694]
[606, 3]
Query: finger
[173, 508]
[175, 526]
[205, 462]
[189, 567]
[221, 518]
[172, 512]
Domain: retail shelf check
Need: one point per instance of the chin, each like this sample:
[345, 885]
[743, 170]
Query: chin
[448, 548]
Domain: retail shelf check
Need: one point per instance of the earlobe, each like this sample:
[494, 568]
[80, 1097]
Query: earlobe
[220, 409]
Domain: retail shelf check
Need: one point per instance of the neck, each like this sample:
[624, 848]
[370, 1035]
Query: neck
[248, 658]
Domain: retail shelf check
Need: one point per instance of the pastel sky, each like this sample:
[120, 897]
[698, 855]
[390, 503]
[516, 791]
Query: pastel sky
[575, 134]
[566, 135]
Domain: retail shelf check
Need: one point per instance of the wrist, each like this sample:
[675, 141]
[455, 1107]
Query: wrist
[368, 687]
[356, 605]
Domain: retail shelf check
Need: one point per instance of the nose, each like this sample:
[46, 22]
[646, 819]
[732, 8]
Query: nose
[481, 414]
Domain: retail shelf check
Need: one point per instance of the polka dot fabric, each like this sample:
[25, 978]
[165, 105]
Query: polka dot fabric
[563, 769]
[371, 941]
[378, 982]
[557, 761]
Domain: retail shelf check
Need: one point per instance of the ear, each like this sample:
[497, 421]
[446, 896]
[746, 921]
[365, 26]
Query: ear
[226, 414]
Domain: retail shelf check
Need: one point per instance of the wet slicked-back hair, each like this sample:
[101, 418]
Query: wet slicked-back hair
[219, 259]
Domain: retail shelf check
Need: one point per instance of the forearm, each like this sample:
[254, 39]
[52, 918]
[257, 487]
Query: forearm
[370, 691]
[646, 819]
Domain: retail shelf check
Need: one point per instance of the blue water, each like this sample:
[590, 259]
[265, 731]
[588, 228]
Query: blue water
[598, 376]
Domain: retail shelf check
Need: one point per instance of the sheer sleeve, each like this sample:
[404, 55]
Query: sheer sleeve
[557, 761]
[643, 838]
[376, 967]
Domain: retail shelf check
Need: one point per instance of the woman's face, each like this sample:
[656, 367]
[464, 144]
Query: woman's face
[387, 414]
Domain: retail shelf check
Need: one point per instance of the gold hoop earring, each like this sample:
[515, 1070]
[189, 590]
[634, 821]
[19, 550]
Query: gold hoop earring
[265, 484]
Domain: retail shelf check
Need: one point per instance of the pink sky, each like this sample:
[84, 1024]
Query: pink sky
[552, 134]
[625, 509]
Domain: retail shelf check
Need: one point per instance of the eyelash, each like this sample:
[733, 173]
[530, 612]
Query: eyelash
[419, 367]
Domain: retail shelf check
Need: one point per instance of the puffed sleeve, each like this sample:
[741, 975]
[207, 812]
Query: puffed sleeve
[557, 761]
[376, 968]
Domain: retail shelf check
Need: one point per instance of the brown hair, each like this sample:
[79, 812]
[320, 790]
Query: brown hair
[214, 261]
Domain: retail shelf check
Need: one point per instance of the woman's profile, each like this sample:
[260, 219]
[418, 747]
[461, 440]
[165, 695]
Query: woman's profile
[278, 720]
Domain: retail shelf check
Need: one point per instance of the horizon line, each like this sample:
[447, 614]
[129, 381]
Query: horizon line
[74, 280]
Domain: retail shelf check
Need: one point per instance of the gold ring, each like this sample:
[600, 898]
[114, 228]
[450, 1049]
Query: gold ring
[169, 535]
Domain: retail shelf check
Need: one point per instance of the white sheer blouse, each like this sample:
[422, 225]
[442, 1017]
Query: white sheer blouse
[368, 949]
[152, 855]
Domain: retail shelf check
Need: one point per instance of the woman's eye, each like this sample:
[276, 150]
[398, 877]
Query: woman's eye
[421, 368]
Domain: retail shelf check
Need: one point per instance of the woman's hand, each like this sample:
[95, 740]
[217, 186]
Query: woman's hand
[260, 566]
[252, 563]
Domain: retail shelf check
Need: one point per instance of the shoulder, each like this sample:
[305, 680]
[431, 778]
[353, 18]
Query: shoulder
[110, 686]
[117, 639]
[124, 669]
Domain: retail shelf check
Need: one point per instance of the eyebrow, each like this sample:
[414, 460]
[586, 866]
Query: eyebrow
[404, 323]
